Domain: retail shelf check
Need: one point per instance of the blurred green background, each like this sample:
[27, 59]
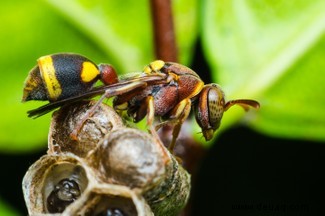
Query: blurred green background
[271, 51]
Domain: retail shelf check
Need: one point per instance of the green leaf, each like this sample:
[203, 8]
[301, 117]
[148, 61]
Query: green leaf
[272, 52]
[123, 30]
[6, 210]
[116, 32]
[295, 106]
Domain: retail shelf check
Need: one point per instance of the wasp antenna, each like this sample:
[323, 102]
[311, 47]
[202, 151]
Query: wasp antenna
[245, 103]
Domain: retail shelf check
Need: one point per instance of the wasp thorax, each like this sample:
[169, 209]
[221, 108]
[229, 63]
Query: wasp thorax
[154, 66]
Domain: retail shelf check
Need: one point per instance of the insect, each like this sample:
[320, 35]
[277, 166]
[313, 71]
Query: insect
[164, 89]
[65, 78]
[64, 193]
[173, 100]
[64, 75]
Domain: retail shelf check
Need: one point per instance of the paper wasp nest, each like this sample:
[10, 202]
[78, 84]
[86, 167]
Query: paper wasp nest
[110, 170]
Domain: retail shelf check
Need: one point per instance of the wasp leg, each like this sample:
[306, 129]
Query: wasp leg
[146, 108]
[90, 112]
[182, 111]
[176, 118]
[150, 110]
[159, 143]
[109, 92]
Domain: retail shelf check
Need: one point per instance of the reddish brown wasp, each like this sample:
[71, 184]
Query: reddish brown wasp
[164, 89]
[172, 101]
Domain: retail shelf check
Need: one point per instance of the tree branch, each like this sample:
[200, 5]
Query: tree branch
[163, 27]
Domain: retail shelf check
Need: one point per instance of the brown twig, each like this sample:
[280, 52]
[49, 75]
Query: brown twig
[165, 47]
[163, 27]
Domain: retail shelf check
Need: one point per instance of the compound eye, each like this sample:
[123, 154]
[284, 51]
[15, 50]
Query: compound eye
[107, 74]
[209, 109]
[216, 104]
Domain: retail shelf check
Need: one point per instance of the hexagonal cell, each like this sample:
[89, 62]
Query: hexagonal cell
[66, 119]
[54, 182]
[109, 199]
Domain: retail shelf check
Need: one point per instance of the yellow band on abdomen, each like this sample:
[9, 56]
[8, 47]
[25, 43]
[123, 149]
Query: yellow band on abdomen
[50, 80]
[89, 72]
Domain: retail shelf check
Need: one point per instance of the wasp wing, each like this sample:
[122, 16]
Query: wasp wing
[121, 87]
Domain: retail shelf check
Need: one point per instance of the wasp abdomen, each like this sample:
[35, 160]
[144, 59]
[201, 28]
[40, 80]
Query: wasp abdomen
[60, 76]
[73, 73]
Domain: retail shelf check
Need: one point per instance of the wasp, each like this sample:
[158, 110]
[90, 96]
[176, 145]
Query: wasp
[163, 89]
[173, 100]
[65, 78]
